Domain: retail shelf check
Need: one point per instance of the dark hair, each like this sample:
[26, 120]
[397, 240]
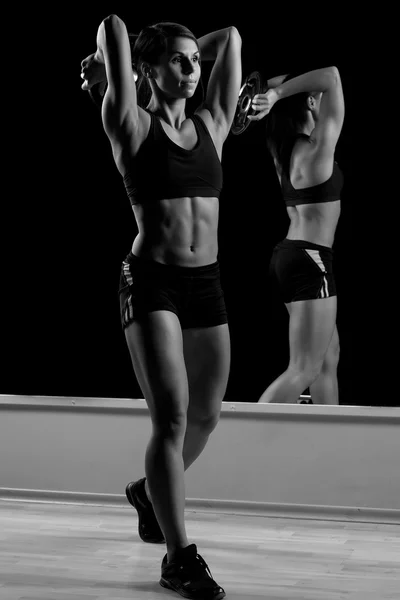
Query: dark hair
[284, 124]
[149, 45]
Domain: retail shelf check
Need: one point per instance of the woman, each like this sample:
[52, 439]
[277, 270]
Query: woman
[305, 118]
[172, 304]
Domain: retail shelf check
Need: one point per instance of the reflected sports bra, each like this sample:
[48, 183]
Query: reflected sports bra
[328, 191]
[162, 169]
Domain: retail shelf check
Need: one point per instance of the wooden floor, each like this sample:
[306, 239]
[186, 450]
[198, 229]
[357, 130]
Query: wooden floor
[79, 552]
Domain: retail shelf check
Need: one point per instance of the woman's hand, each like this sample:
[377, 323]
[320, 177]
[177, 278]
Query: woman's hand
[262, 104]
[92, 71]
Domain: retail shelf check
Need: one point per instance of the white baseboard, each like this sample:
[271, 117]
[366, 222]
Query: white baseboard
[263, 509]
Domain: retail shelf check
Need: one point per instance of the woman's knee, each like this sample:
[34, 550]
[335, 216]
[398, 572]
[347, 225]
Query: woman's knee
[169, 430]
[169, 421]
[203, 421]
[306, 369]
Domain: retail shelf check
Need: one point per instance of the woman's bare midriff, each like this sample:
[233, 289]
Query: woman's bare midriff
[178, 231]
[315, 223]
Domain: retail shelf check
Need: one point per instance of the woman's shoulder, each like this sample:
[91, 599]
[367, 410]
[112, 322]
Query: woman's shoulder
[309, 163]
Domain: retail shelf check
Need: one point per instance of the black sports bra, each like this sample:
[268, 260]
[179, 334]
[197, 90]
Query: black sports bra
[162, 169]
[328, 191]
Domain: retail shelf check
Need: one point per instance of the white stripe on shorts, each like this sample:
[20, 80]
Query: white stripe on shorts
[314, 254]
[127, 273]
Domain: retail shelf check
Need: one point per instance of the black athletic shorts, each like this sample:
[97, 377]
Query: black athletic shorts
[302, 270]
[194, 294]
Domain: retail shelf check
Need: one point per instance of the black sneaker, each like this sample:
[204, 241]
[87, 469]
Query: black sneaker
[190, 576]
[149, 529]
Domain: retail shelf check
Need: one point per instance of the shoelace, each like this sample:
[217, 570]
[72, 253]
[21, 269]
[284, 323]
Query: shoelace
[196, 567]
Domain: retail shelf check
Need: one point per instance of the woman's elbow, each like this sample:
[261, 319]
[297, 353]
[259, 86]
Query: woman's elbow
[113, 21]
[110, 18]
[334, 72]
[234, 35]
[114, 27]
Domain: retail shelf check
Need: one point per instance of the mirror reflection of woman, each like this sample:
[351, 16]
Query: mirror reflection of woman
[172, 304]
[304, 120]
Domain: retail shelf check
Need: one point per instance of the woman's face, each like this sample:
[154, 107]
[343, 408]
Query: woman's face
[178, 70]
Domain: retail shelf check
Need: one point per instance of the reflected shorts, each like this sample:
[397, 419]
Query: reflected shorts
[302, 270]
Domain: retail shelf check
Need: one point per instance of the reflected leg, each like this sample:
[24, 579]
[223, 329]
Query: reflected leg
[325, 389]
[311, 326]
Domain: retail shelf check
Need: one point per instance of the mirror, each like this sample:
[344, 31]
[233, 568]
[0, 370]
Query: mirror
[71, 225]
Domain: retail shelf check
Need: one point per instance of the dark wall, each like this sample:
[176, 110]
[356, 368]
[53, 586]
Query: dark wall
[69, 223]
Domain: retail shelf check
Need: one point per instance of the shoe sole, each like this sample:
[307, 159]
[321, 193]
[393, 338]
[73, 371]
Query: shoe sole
[166, 584]
[131, 500]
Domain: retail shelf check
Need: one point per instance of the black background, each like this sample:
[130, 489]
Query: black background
[69, 223]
